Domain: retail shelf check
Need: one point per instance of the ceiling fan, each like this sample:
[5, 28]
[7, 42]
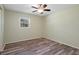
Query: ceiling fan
[41, 8]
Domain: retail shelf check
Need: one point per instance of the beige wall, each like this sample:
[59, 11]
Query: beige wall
[14, 33]
[63, 27]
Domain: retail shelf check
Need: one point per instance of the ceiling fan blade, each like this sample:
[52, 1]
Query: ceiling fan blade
[34, 7]
[34, 11]
[44, 6]
[47, 10]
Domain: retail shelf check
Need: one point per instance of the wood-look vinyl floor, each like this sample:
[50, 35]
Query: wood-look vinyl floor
[39, 47]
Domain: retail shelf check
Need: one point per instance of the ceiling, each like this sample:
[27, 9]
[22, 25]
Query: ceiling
[26, 8]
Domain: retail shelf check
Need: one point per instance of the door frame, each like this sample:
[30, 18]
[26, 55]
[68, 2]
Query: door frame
[2, 45]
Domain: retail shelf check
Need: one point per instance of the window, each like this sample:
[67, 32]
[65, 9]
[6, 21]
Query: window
[24, 22]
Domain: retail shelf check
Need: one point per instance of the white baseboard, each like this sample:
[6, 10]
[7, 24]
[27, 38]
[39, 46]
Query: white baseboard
[23, 40]
[53, 39]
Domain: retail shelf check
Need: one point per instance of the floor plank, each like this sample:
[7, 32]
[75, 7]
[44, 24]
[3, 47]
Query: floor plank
[39, 47]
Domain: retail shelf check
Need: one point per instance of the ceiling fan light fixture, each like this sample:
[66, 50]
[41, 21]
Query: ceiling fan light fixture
[40, 10]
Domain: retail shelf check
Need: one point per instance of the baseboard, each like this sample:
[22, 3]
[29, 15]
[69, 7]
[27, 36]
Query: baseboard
[62, 43]
[24, 40]
[48, 39]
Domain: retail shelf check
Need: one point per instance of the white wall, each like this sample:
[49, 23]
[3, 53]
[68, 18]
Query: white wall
[14, 33]
[63, 27]
[1, 27]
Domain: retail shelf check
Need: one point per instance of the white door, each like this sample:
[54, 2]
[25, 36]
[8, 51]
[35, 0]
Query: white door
[1, 33]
